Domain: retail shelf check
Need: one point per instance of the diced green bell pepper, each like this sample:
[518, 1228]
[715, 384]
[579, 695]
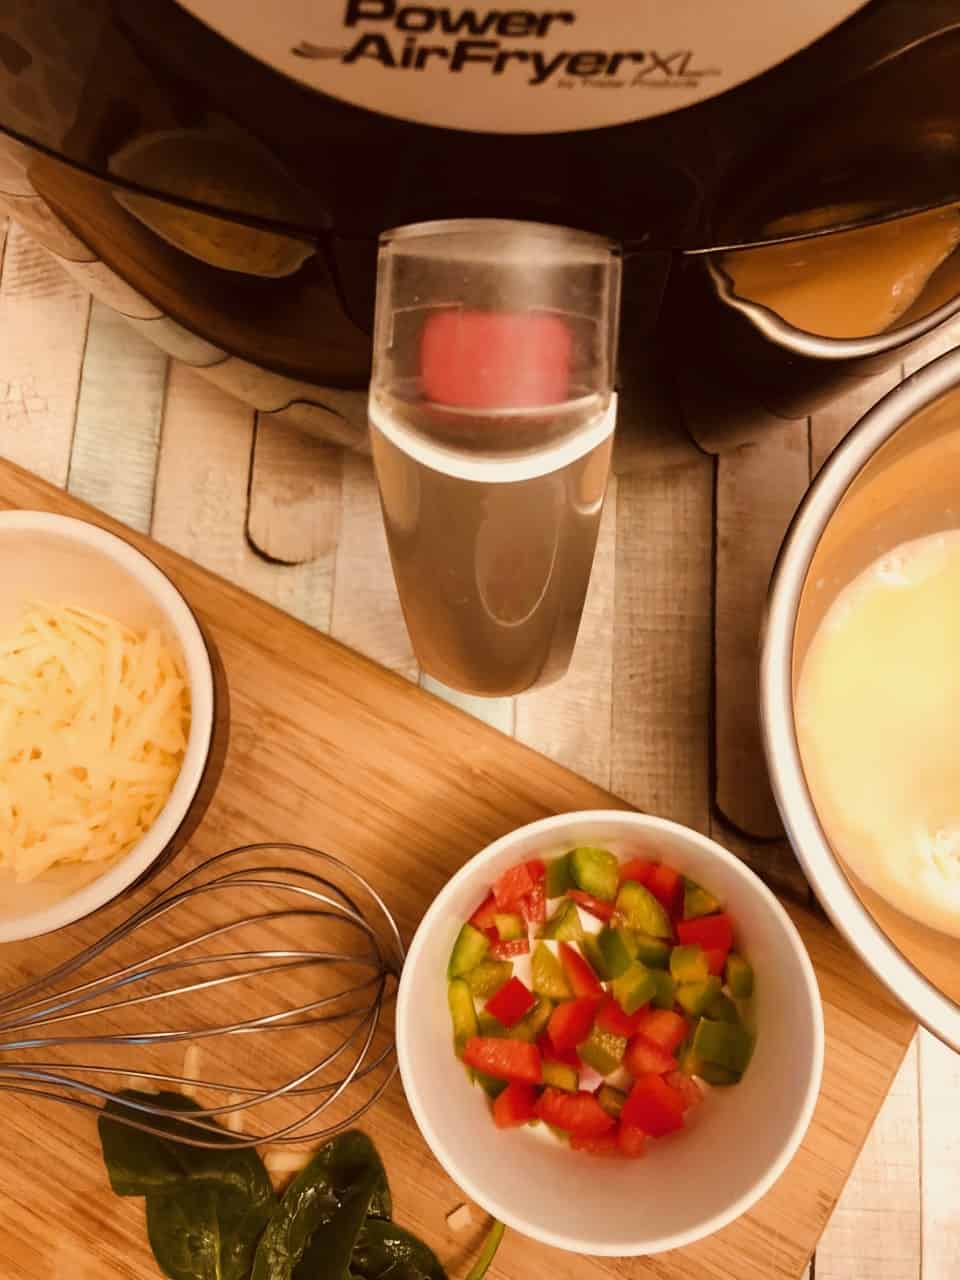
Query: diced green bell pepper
[519, 1031]
[490, 1027]
[723, 1044]
[564, 925]
[611, 1099]
[560, 1076]
[653, 952]
[489, 1084]
[689, 964]
[696, 997]
[697, 901]
[723, 1010]
[713, 1074]
[538, 1017]
[739, 976]
[692, 1065]
[463, 1013]
[486, 979]
[602, 1050]
[687, 1060]
[634, 988]
[639, 909]
[596, 871]
[666, 989]
[468, 950]
[547, 976]
[510, 927]
[617, 946]
[559, 878]
[591, 950]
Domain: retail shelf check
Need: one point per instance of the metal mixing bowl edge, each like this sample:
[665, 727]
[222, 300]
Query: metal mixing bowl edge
[934, 1010]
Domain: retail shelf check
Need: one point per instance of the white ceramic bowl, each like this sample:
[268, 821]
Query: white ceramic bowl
[44, 556]
[688, 1186]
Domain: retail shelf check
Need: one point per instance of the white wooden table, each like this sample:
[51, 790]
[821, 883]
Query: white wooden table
[685, 548]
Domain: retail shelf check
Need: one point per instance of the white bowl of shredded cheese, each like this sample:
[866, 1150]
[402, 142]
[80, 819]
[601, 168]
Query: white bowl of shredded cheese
[106, 718]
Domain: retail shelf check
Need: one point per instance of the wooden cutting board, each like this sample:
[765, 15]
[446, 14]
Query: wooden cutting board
[329, 749]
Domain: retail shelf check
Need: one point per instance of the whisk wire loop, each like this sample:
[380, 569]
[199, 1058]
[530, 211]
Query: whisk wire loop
[191, 983]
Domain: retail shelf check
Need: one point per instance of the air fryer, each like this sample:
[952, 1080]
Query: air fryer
[221, 175]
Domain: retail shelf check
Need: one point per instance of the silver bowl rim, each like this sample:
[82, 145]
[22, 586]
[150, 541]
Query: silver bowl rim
[934, 1010]
[803, 343]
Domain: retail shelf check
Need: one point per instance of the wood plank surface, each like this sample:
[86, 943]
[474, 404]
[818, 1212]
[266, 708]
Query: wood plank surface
[443, 785]
[659, 748]
[875, 1230]
[759, 486]
[366, 610]
[123, 386]
[200, 506]
[570, 721]
[295, 490]
[939, 1159]
[655, 676]
[43, 320]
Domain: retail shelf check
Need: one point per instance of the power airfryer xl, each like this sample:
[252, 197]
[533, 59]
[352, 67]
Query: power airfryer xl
[220, 170]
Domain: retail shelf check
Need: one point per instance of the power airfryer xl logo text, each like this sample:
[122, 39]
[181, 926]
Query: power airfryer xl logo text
[498, 42]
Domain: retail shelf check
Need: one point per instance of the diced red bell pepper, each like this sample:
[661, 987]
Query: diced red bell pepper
[571, 1021]
[514, 1105]
[716, 961]
[534, 906]
[495, 359]
[644, 1058]
[610, 1017]
[631, 1141]
[666, 885]
[575, 1113]
[688, 1089]
[537, 868]
[665, 1028]
[637, 869]
[602, 910]
[713, 933]
[512, 886]
[503, 1059]
[511, 1003]
[550, 1053]
[507, 950]
[482, 918]
[579, 974]
[598, 1144]
[653, 1106]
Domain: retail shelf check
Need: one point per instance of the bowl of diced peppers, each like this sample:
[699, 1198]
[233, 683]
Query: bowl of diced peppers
[632, 998]
[606, 987]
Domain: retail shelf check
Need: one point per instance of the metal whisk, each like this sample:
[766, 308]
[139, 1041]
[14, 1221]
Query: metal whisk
[299, 1031]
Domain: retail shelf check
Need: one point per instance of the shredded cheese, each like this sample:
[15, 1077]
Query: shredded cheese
[191, 1069]
[282, 1162]
[460, 1219]
[93, 727]
[234, 1120]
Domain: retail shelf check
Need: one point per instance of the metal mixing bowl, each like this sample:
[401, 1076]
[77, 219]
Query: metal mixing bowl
[896, 476]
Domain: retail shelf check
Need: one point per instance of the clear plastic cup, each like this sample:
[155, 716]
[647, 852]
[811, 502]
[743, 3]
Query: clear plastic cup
[492, 412]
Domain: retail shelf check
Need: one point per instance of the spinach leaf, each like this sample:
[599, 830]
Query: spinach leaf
[204, 1232]
[141, 1163]
[329, 1250]
[184, 1234]
[137, 1162]
[337, 1190]
[206, 1206]
[384, 1250]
